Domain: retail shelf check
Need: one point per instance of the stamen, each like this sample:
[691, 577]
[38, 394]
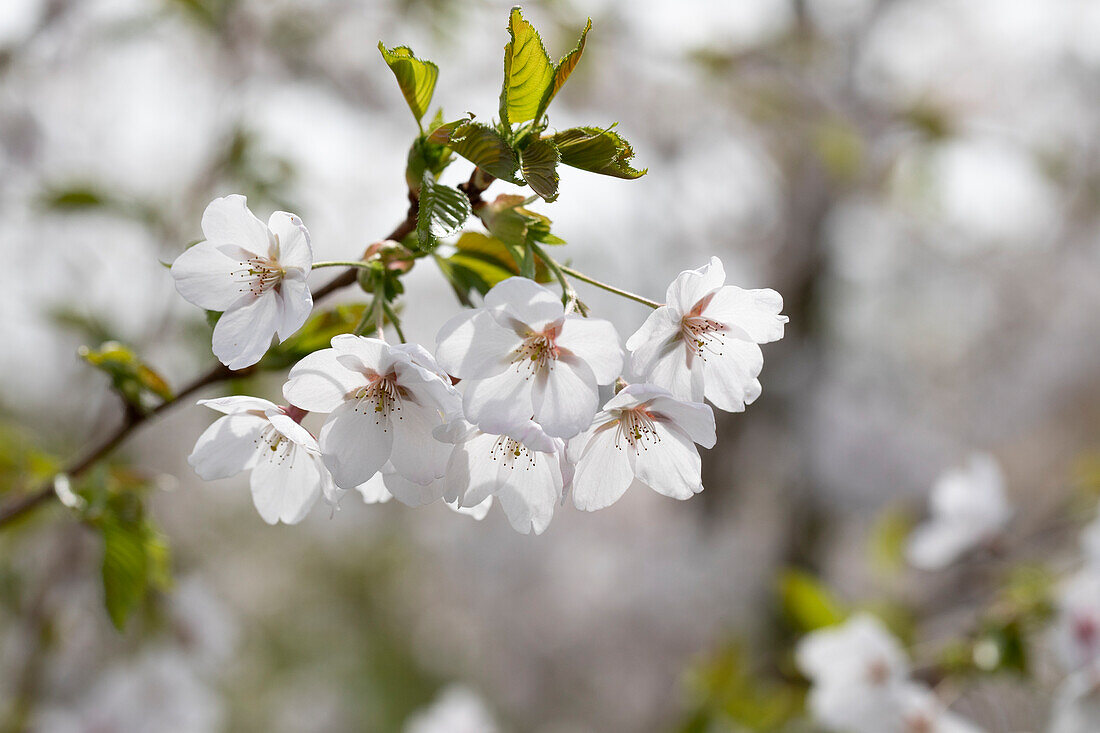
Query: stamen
[276, 447]
[258, 274]
[382, 396]
[511, 451]
[702, 335]
[537, 352]
[638, 428]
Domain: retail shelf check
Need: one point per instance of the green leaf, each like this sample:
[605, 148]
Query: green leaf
[887, 541]
[135, 381]
[596, 150]
[416, 77]
[508, 220]
[425, 156]
[442, 211]
[74, 198]
[807, 604]
[125, 571]
[528, 74]
[481, 145]
[539, 163]
[563, 69]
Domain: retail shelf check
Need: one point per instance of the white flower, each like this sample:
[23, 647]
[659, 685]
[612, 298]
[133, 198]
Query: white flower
[456, 710]
[968, 508]
[525, 469]
[384, 402]
[257, 435]
[524, 357]
[1077, 704]
[704, 341]
[385, 485]
[254, 273]
[643, 436]
[919, 711]
[1090, 543]
[1077, 626]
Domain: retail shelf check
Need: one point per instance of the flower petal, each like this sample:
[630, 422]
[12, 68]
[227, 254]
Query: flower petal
[472, 473]
[373, 354]
[292, 430]
[731, 375]
[285, 488]
[238, 404]
[603, 471]
[474, 346]
[519, 302]
[500, 403]
[227, 220]
[355, 445]
[528, 494]
[565, 398]
[417, 456]
[243, 333]
[204, 277]
[411, 493]
[596, 342]
[320, 383]
[374, 490]
[691, 286]
[694, 418]
[755, 312]
[227, 447]
[295, 304]
[677, 371]
[294, 248]
[478, 511]
[671, 465]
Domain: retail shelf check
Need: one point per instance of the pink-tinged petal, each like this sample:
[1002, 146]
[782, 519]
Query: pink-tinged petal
[472, 472]
[730, 376]
[670, 465]
[596, 342]
[520, 304]
[204, 277]
[243, 333]
[565, 398]
[474, 346]
[329, 490]
[528, 493]
[296, 303]
[292, 430]
[478, 511]
[370, 353]
[422, 358]
[227, 221]
[237, 404]
[694, 418]
[603, 472]
[411, 493]
[428, 388]
[320, 383]
[294, 248]
[691, 286]
[284, 488]
[416, 455]
[533, 436]
[227, 447]
[355, 445]
[678, 371]
[501, 403]
[754, 312]
[662, 325]
[374, 490]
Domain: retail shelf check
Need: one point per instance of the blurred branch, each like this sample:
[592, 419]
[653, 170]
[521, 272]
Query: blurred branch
[218, 373]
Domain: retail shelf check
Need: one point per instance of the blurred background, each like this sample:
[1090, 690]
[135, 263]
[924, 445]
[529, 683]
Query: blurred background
[918, 178]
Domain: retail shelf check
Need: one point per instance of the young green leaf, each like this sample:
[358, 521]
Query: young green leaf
[539, 163]
[481, 145]
[134, 381]
[416, 77]
[442, 211]
[596, 150]
[562, 71]
[807, 603]
[135, 558]
[528, 74]
[508, 220]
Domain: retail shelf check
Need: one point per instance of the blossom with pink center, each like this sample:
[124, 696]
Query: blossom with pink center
[285, 460]
[643, 436]
[704, 342]
[254, 273]
[522, 357]
[383, 402]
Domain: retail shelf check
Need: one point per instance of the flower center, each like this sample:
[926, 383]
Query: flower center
[878, 672]
[511, 451]
[382, 396]
[637, 427]
[537, 352]
[257, 275]
[702, 334]
[275, 447]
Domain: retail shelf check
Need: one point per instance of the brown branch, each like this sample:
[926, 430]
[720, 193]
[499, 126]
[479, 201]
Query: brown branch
[217, 373]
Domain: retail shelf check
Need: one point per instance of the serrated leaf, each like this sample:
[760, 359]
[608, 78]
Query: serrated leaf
[807, 604]
[416, 77]
[539, 165]
[563, 69]
[597, 150]
[442, 211]
[134, 380]
[481, 145]
[527, 72]
[508, 220]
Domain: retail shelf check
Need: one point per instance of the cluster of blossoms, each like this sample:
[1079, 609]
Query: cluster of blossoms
[526, 428]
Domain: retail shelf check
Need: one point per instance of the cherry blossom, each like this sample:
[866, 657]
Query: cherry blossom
[259, 436]
[704, 342]
[643, 436]
[383, 403]
[1076, 706]
[525, 469]
[1076, 629]
[384, 485]
[524, 357]
[254, 273]
[968, 508]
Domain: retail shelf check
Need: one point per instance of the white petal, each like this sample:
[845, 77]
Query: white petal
[755, 312]
[238, 404]
[320, 383]
[842, 653]
[204, 277]
[596, 342]
[355, 445]
[500, 403]
[227, 447]
[474, 346]
[938, 543]
[291, 430]
[472, 470]
[603, 471]
[295, 302]
[373, 354]
[676, 370]
[411, 493]
[284, 489]
[670, 466]
[294, 248]
[528, 494]
[653, 337]
[417, 456]
[731, 375]
[565, 398]
[694, 418]
[428, 388]
[478, 511]
[518, 301]
[374, 490]
[227, 220]
[691, 286]
[243, 333]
